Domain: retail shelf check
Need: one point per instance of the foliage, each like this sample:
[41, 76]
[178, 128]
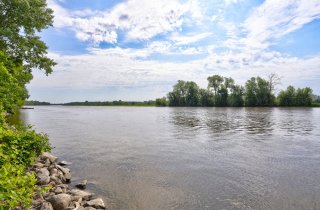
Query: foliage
[236, 96]
[161, 101]
[185, 93]
[295, 97]
[206, 98]
[12, 94]
[36, 103]
[16, 185]
[222, 91]
[21, 50]
[20, 20]
[18, 149]
[258, 92]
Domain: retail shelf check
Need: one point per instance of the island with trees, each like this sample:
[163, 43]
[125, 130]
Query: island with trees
[224, 92]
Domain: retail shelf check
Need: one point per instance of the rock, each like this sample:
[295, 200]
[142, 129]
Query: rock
[47, 163]
[83, 194]
[89, 208]
[43, 171]
[76, 198]
[55, 179]
[68, 177]
[47, 155]
[37, 165]
[96, 203]
[43, 179]
[64, 170]
[58, 190]
[63, 163]
[46, 206]
[60, 202]
[53, 171]
[82, 185]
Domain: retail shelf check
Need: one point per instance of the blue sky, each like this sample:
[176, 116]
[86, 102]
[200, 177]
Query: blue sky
[138, 49]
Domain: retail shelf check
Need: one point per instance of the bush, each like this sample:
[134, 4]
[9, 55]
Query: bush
[19, 147]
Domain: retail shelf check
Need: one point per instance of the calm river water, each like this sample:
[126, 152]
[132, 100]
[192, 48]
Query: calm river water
[149, 158]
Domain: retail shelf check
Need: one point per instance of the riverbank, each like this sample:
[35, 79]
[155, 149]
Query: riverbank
[54, 189]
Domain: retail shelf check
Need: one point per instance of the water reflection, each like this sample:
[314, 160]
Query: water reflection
[190, 158]
[296, 123]
[259, 120]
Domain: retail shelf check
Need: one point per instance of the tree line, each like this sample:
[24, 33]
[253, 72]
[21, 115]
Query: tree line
[224, 92]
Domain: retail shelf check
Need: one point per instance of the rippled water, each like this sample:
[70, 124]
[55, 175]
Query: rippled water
[190, 158]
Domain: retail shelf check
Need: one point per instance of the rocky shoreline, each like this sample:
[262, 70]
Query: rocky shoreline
[56, 177]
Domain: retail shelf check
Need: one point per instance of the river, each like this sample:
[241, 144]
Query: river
[145, 158]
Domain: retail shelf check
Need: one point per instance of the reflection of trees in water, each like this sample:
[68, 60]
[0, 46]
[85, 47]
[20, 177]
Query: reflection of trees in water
[295, 123]
[259, 120]
[250, 120]
[220, 120]
[186, 118]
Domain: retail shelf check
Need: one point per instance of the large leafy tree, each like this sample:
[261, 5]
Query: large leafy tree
[20, 21]
[21, 49]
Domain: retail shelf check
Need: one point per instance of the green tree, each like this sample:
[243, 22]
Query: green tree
[257, 92]
[192, 94]
[161, 101]
[12, 92]
[20, 20]
[251, 92]
[236, 96]
[206, 98]
[184, 94]
[287, 97]
[303, 97]
[264, 94]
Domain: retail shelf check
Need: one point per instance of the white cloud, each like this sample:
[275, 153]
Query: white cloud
[184, 40]
[124, 68]
[227, 2]
[248, 53]
[275, 18]
[141, 19]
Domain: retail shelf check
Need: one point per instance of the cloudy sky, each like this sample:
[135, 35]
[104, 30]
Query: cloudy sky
[138, 49]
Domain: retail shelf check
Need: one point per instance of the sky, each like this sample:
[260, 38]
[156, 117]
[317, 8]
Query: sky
[136, 50]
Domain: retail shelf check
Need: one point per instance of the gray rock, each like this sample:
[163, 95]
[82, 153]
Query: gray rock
[55, 179]
[96, 203]
[68, 177]
[53, 171]
[47, 163]
[43, 179]
[64, 170]
[44, 171]
[46, 206]
[37, 165]
[60, 202]
[82, 185]
[47, 155]
[83, 194]
[58, 190]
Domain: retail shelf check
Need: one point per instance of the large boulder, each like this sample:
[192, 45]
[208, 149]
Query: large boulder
[83, 194]
[47, 155]
[43, 176]
[96, 203]
[60, 202]
[43, 179]
[63, 169]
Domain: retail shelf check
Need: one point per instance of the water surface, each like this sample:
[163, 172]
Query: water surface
[189, 158]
